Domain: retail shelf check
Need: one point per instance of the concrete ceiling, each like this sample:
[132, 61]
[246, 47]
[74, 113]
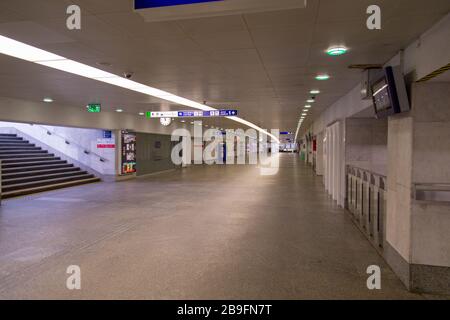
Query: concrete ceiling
[260, 63]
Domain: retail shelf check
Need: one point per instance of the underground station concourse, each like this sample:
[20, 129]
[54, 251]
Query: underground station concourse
[225, 150]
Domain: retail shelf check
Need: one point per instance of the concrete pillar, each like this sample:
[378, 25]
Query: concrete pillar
[417, 231]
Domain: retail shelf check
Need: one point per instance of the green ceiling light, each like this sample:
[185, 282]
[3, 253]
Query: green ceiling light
[322, 77]
[337, 51]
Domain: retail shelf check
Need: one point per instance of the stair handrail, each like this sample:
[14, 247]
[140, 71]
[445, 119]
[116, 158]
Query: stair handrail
[87, 151]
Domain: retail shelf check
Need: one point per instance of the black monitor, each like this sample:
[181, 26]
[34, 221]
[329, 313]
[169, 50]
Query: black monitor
[389, 93]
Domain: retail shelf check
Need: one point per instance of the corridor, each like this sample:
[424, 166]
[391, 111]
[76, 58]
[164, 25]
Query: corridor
[204, 232]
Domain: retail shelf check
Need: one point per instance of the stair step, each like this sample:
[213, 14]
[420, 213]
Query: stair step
[20, 148]
[45, 162]
[60, 164]
[5, 157]
[32, 173]
[19, 152]
[40, 178]
[37, 159]
[6, 143]
[8, 139]
[35, 184]
[8, 135]
[27, 168]
[49, 187]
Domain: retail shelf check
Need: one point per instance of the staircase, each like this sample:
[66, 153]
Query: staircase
[28, 169]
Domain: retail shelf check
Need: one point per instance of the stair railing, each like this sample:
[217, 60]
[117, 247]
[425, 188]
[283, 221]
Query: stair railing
[86, 151]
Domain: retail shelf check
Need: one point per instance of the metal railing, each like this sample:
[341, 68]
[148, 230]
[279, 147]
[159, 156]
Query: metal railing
[366, 200]
[432, 192]
[69, 142]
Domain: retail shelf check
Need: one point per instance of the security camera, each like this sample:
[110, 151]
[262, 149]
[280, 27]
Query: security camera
[128, 75]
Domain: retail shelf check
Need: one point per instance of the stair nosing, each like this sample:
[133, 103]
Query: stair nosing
[16, 163]
[47, 175]
[10, 159]
[93, 179]
[72, 168]
[26, 183]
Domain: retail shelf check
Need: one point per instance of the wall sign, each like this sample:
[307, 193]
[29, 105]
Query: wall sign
[192, 114]
[94, 107]
[128, 153]
[105, 146]
[145, 4]
[107, 134]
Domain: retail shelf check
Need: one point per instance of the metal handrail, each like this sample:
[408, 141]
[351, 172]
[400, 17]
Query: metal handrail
[434, 192]
[71, 143]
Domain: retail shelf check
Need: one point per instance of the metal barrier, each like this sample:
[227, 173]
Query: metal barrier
[366, 200]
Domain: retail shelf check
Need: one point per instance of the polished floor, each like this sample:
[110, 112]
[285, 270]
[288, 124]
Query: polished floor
[208, 232]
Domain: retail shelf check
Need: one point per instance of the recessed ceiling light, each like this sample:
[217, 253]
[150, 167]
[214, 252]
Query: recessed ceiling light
[308, 106]
[305, 110]
[322, 77]
[310, 100]
[183, 121]
[304, 114]
[48, 100]
[119, 110]
[314, 92]
[141, 113]
[337, 51]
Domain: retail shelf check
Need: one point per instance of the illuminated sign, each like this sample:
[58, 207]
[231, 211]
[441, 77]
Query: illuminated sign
[192, 114]
[94, 107]
[145, 4]
[128, 153]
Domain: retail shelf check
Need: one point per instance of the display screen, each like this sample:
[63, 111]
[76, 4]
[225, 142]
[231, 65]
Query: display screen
[144, 4]
[381, 97]
[128, 152]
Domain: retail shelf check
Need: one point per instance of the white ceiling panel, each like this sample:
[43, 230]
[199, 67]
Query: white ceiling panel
[263, 63]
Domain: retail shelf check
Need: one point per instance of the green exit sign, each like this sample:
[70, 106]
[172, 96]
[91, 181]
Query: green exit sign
[94, 107]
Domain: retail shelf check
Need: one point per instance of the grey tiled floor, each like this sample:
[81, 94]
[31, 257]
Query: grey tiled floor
[209, 232]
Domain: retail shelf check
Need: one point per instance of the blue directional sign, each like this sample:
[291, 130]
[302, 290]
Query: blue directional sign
[205, 114]
[145, 4]
[192, 114]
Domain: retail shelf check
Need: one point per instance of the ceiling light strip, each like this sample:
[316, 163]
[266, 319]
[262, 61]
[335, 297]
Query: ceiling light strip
[29, 53]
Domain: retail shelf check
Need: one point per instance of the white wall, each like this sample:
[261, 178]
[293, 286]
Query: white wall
[79, 141]
[345, 107]
[366, 144]
[14, 110]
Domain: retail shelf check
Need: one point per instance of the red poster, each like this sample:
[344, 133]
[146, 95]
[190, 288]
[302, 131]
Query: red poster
[106, 146]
